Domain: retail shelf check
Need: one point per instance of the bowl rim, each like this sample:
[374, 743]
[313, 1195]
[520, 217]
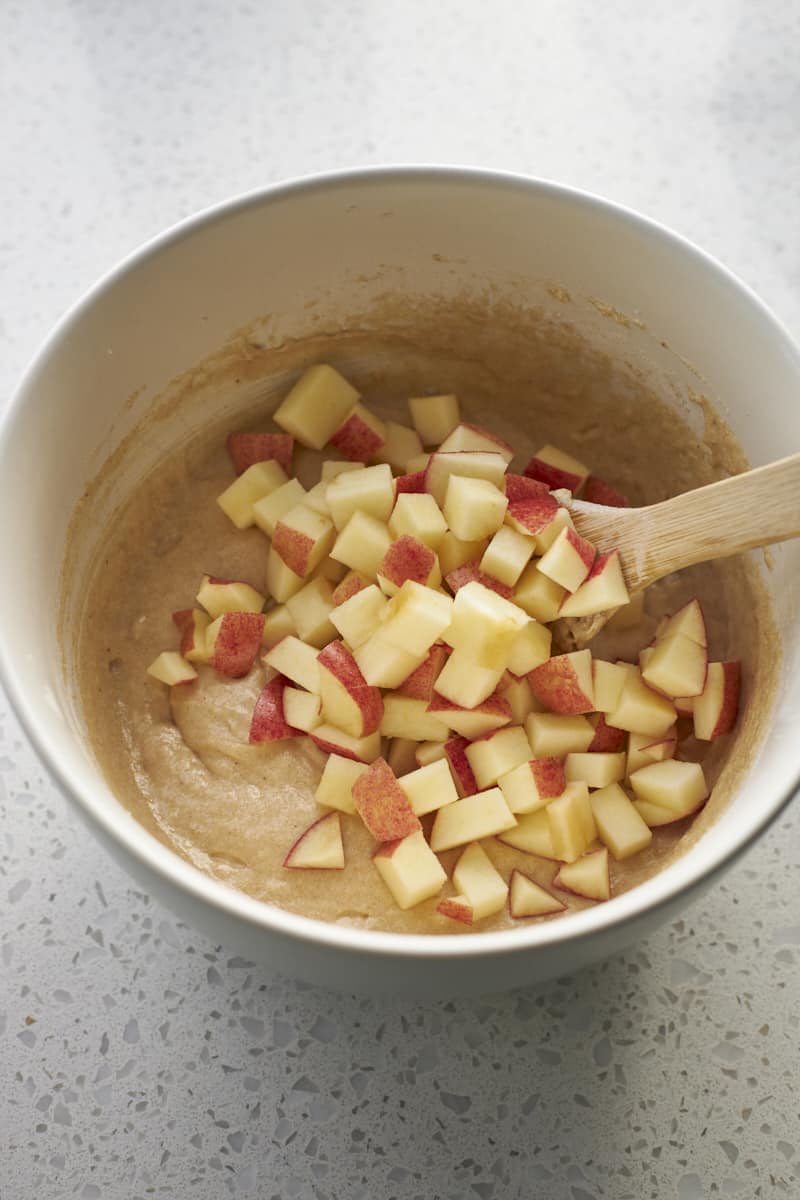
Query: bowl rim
[656, 893]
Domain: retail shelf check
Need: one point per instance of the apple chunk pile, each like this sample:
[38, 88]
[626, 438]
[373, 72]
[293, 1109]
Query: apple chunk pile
[403, 629]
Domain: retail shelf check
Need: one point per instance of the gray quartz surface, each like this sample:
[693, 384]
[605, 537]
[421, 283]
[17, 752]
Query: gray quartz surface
[139, 1060]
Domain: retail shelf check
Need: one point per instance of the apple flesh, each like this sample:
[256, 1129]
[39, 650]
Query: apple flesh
[679, 786]
[335, 788]
[537, 595]
[533, 784]
[316, 406]
[587, 876]
[676, 666]
[470, 819]
[532, 835]
[554, 736]
[400, 446]
[564, 683]
[233, 642]
[604, 588]
[405, 717]
[430, 787]
[193, 624]
[596, 770]
[470, 572]
[716, 709]
[441, 468]
[362, 544]
[369, 492]
[360, 436]
[270, 508]
[417, 515]
[619, 825]
[688, 621]
[557, 469]
[519, 697]
[484, 626]
[526, 898]
[507, 555]
[311, 609]
[259, 480]
[641, 710]
[491, 713]
[383, 664]
[571, 821]
[497, 753]
[282, 581]
[303, 538]
[434, 417]
[301, 710]
[402, 756]
[359, 614]
[247, 449]
[171, 668]
[336, 741]
[319, 847]
[463, 681]
[218, 596]
[568, 561]
[478, 880]
[472, 437]
[410, 870]
[421, 683]
[295, 660]
[268, 723]
[278, 624]
[348, 701]
[473, 508]
[608, 680]
[415, 618]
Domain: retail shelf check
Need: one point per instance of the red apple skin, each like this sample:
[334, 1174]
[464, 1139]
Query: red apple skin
[347, 588]
[585, 550]
[293, 546]
[470, 572]
[383, 805]
[245, 449]
[356, 441]
[237, 644]
[597, 491]
[554, 477]
[421, 683]
[729, 704]
[336, 658]
[415, 482]
[549, 776]
[455, 752]
[187, 629]
[607, 739]
[557, 905]
[521, 487]
[406, 559]
[492, 704]
[535, 513]
[333, 748]
[456, 912]
[268, 723]
[555, 685]
[287, 862]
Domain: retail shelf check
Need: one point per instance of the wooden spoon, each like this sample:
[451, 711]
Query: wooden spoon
[724, 518]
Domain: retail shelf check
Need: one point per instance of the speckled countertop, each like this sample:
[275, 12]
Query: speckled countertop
[138, 1060]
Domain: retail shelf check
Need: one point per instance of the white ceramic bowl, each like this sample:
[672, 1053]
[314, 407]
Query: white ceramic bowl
[175, 301]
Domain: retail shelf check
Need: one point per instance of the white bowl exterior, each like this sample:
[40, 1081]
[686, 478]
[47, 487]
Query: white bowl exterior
[340, 239]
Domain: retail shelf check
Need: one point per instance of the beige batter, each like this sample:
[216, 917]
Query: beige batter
[181, 760]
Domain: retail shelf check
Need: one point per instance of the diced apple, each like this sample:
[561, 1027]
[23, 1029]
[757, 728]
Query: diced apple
[359, 616]
[407, 718]
[572, 825]
[484, 627]
[546, 536]
[171, 668]
[492, 713]
[332, 467]
[193, 624]
[654, 815]
[497, 753]
[301, 709]
[383, 664]
[417, 515]
[415, 618]
[607, 739]
[331, 570]
[233, 641]
[476, 877]
[564, 683]
[507, 555]
[278, 624]
[473, 508]
[348, 701]
[642, 749]
[531, 835]
[676, 666]
[319, 847]
[688, 620]
[421, 684]
[400, 446]
[413, 481]
[608, 680]
[532, 515]
[455, 752]
[537, 595]
[619, 825]
[336, 741]
[434, 417]
[454, 553]
[596, 770]
[463, 680]
[410, 870]
[555, 736]
[407, 559]
[597, 491]
[303, 538]
[311, 610]
[362, 544]
[528, 899]
[360, 436]
[442, 468]
[335, 788]
[471, 437]
[246, 449]
[587, 876]
[641, 710]
[684, 705]
[258, 481]
[282, 581]
[429, 787]
[568, 561]
[531, 648]
[428, 752]
[457, 908]
[470, 819]
[269, 509]
[716, 709]
[533, 784]
[316, 406]
[268, 723]
[518, 695]
[672, 784]
[603, 589]
[351, 583]
[520, 487]
[470, 572]
[557, 469]
[402, 756]
[418, 464]
[382, 804]
[295, 660]
[369, 492]
[219, 596]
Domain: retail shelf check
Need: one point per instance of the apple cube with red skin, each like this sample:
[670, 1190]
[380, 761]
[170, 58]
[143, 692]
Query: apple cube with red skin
[531, 515]
[642, 710]
[418, 515]
[530, 649]
[311, 609]
[676, 665]
[360, 436]
[434, 417]
[492, 713]
[219, 596]
[716, 709]
[607, 739]
[400, 446]
[526, 898]
[408, 718]
[233, 642]
[171, 668]
[531, 835]
[537, 595]
[369, 492]
[568, 561]
[408, 559]
[587, 876]
[410, 870]
[463, 680]
[427, 753]
[457, 908]
[268, 723]
[303, 538]
[517, 693]
[642, 749]
[335, 788]
[362, 544]
[572, 825]
[603, 589]
[319, 847]
[359, 615]
[455, 752]
[247, 449]
[472, 437]
[619, 825]
[564, 683]
[596, 770]
[497, 753]
[336, 741]
[259, 480]
[382, 804]
[421, 683]
[672, 784]
[411, 483]
[415, 618]
[484, 627]
[557, 469]
[688, 620]
[608, 680]
[507, 555]
[441, 468]
[295, 660]
[470, 819]
[348, 586]
[278, 624]
[269, 509]
[383, 664]
[552, 735]
[533, 784]
[473, 508]
[429, 787]
[478, 880]
[302, 710]
[453, 553]
[316, 406]
[348, 701]
[193, 625]
[470, 572]
[282, 581]
[597, 491]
